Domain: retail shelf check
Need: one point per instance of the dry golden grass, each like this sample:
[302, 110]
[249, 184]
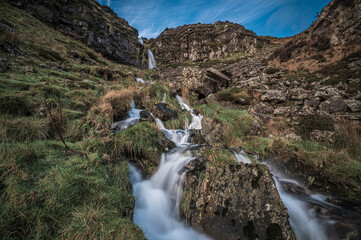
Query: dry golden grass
[278, 126]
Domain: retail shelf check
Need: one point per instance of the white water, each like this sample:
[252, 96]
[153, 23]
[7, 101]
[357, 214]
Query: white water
[151, 60]
[140, 80]
[157, 199]
[133, 118]
[140, 40]
[196, 119]
[241, 156]
[304, 220]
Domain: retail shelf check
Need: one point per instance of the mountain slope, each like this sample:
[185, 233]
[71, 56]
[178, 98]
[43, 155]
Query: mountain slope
[95, 25]
[51, 190]
[202, 42]
[334, 35]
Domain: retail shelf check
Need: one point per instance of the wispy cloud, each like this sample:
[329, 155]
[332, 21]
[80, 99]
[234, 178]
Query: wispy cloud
[151, 17]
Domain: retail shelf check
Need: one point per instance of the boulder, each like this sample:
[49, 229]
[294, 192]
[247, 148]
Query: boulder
[204, 82]
[322, 136]
[237, 201]
[353, 105]
[334, 105]
[163, 112]
[212, 131]
[273, 95]
[262, 108]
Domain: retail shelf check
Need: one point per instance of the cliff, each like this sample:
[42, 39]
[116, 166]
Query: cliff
[201, 42]
[86, 20]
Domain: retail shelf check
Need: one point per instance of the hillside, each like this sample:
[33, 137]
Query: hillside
[232, 136]
[49, 82]
[95, 25]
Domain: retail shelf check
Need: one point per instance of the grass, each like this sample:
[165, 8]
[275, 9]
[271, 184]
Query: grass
[336, 166]
[235, 123]
[310, 123]
[235, 95]
[47, 191]
[44, 193]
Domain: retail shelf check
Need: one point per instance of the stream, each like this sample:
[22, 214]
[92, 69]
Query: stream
[157, 200]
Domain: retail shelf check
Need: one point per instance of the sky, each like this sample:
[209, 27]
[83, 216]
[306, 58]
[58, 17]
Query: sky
[278, 18]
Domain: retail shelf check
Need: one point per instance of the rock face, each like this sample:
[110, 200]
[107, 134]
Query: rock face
[203, 82]
[235, 202]
[86, 20]
[199, 42]
[337, 27]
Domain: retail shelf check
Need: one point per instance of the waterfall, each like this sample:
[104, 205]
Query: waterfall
[304, 220]
[240, 155]
[133, 118]
[151, 60]
[140, 40]
[157, 199]
[140, 80]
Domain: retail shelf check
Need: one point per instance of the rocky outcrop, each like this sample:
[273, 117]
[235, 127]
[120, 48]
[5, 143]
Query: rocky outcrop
[200, 42]
[203, 82]
[235, 202]
[333, 35]
[86, 20]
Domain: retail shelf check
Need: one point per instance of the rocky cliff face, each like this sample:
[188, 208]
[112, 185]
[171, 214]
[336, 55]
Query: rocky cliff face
[334, 35]
[201, 42]
[235, 202]
[86, 20]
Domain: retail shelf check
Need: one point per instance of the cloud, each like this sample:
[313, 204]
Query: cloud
[151, 17]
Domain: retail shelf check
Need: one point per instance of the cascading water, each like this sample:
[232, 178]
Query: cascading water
[157, 199]
[303, 218]
[133, 118]
[307, 223]
[151, 60]
[240, 155]
[140, 40]
[140, 80]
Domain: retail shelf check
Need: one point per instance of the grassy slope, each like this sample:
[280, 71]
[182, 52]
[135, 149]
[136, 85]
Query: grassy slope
[48, 192]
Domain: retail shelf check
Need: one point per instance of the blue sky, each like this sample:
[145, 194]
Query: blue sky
[279, 18]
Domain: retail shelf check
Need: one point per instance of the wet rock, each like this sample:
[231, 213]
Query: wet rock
[163, 112]
[146, 116]
[354, 105]
[212, 131]
[322, 136]
[235, 202]
[262, 108]
[333, 105]
[273, 95]
[196, 137]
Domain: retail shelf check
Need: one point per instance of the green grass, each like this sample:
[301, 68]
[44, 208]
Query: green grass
[235, 123]
[48, 192]
[45, 193]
